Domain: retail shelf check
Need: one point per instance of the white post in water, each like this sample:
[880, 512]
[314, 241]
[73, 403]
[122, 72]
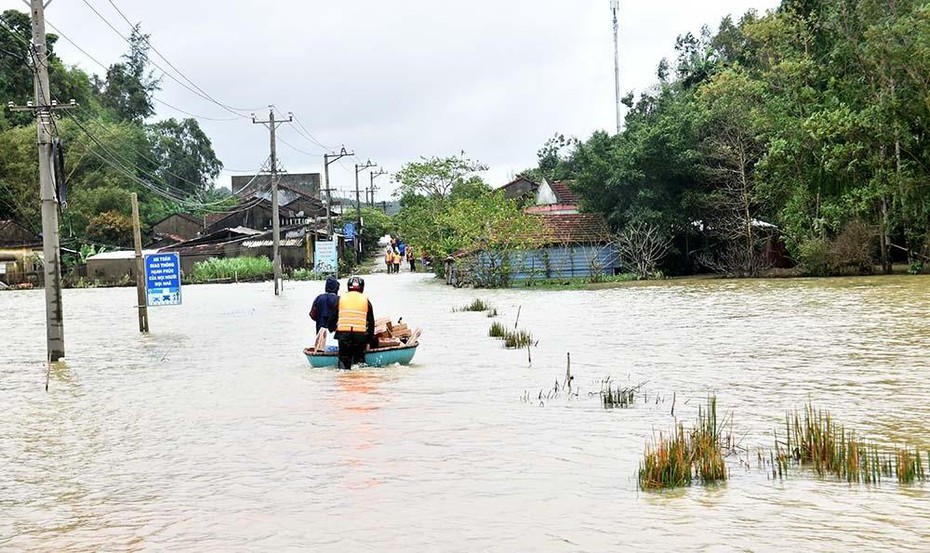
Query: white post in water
[51, 249]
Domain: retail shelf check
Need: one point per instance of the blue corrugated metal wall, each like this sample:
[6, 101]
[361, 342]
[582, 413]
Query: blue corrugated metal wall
[562, 262]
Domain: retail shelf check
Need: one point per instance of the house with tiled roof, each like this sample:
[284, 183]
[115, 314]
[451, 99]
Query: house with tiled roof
[567, 243]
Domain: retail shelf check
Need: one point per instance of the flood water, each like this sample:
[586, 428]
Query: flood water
[213, 434]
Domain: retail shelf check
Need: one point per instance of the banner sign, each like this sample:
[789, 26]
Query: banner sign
[326, 257]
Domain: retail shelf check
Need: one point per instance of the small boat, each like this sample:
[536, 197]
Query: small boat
[381, 357]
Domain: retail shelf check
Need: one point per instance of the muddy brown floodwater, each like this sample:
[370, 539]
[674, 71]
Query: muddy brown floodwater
[214, 434]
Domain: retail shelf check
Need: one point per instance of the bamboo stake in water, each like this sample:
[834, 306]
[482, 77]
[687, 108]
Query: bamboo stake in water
[529, 354]
[568, 372]
[520, 308]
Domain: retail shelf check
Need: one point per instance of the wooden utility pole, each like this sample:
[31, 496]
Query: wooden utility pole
[51, 250]
[275, 217]
[140, 267]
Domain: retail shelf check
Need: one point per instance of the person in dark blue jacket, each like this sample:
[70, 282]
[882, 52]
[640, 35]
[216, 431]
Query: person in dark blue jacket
[326, 304]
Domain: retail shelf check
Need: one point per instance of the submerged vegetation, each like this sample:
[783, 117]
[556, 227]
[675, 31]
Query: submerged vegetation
[815, 441]
[679, 458]
[517, 339]
[618, 397]
[476, 306]
[307, 274]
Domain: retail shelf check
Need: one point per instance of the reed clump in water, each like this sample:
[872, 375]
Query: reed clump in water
[816, 441]
[517, 339]
[683, 456]
[492, 312]
[475, 306]
[618, 397]
[497, 330]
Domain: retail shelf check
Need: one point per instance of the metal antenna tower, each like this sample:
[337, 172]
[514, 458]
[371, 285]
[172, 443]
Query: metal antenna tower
[615, 10]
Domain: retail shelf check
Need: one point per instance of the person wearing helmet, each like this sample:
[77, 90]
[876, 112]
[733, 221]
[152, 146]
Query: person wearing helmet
[354, 324]
[324, 306]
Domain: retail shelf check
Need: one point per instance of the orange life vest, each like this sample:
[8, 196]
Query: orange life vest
[353, 313]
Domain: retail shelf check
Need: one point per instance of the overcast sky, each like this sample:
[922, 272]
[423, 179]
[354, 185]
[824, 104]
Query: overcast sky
[393, 80]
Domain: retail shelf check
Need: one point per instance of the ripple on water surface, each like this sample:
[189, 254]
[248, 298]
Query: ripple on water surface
[212, 433]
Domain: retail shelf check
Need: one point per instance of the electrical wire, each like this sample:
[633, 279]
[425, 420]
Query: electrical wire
[235, 111]
[113, 161]
[171, 65]
[154, 98]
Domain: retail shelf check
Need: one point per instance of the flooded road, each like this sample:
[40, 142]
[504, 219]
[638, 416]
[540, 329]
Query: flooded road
[213, 434]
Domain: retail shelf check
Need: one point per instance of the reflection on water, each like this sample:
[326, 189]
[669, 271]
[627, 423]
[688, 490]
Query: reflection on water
[213, 433]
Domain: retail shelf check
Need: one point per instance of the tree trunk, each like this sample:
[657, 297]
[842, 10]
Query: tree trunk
[886, 241]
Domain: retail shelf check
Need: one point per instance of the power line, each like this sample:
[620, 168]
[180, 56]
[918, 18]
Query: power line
[114, 161]
[171, 65]
[194, 91]
[154, 98]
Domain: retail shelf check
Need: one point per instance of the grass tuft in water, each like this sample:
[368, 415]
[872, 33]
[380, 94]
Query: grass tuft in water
[517, 339]
[680, 458]
[497, 330]
[814, 440]
[492, 312]
[476, 306]
[618, 397]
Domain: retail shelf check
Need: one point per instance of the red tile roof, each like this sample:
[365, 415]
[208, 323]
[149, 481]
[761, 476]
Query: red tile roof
[563, 192]
[575, 228]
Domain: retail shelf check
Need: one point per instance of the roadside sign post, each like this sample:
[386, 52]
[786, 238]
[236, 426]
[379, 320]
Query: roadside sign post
[140, 279]
[326, 257]
[163, 279]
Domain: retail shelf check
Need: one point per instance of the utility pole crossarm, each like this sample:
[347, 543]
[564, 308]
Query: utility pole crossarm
[329, 159]
[44, 107]
[358, 209]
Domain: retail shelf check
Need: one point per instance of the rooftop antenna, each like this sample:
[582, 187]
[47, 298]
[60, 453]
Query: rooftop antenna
[615, 10]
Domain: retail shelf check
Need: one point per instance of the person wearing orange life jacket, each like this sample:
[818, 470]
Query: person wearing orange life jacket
[354, 324]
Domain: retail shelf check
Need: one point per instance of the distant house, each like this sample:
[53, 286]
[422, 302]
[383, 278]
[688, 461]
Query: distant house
[176, 228]
[254, 210]
[14, 235]
[569, 245]
[554, 198]
[113, 266]
[520, 189]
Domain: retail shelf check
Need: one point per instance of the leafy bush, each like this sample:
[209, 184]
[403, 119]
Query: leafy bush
[236, 268]
[307, 274]
[849, 253]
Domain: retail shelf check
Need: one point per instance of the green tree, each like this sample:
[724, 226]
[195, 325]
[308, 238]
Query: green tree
[183, 155]
[130, 84]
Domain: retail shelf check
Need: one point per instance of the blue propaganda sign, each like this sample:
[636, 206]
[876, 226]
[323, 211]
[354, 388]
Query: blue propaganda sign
[163, 279]
[349, 231]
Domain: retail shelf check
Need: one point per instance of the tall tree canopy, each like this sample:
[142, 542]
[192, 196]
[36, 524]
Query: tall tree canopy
[814, 117]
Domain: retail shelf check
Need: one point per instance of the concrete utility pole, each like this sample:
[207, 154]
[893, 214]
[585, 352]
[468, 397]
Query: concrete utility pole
[358, 210]
[275, 217]
[140, 267]
[327, 160]
[371, 189]
[51, 251]
[615, 9]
